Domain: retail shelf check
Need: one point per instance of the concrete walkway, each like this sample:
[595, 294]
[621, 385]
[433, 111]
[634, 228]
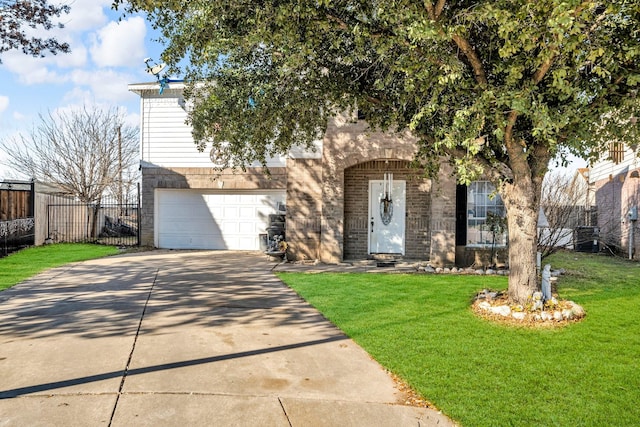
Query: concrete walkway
[172, 338]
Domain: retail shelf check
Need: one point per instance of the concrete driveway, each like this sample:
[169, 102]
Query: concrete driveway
[195, 338]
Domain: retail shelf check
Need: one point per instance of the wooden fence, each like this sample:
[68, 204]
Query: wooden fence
[16, 215]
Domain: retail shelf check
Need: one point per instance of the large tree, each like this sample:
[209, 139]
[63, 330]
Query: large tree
[86, 152]
[19, 19]
[499, 87]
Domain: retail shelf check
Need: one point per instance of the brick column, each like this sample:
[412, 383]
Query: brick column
[443, 218]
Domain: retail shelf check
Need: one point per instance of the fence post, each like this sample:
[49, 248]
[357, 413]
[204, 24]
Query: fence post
[138, 216]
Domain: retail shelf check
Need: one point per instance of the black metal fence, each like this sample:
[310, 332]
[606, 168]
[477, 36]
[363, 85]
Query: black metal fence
[109, 222]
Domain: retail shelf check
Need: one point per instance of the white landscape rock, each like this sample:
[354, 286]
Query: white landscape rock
[485, 305]
[502, 310]
[577, 310]
[518, 315]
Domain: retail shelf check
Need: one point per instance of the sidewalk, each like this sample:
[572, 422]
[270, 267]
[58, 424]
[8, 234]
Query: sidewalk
[169, 338]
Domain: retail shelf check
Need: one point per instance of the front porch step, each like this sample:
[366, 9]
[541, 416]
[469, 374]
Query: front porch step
[386, 257]
[386, 260]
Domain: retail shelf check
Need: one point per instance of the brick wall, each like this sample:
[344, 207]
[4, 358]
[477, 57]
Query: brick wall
[615, 196]
[443, 218]
[356, 206]
[304, 207]
[348, 143]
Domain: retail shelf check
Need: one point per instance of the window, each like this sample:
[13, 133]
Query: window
[616, 152]
[483, 205]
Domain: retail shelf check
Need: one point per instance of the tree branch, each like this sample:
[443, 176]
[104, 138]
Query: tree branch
[471, 55]
[435, 12]
[439, 7]
[542, 71]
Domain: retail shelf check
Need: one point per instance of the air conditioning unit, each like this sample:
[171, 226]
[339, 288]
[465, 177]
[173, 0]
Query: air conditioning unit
[585, 239]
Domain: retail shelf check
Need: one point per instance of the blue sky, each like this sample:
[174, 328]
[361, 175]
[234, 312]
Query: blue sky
[106, 55]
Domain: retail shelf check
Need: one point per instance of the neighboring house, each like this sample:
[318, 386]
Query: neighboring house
[568, 212]
[337, 200]
[615, 181]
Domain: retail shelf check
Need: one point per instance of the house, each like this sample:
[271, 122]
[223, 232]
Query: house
[615, 181]
[568, 215]
[354, 197]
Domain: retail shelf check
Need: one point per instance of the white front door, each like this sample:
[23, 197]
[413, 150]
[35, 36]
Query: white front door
[386, 220]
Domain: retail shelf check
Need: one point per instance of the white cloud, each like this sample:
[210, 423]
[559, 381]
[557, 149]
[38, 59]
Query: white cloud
[30, 70]
[120, 43]
[107, 85]
[76, 58]
[38, 75]
[85, 15]
[4, 103]
[132, 119]
[18, 116]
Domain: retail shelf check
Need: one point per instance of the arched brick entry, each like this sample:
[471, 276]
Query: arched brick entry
[356, 199]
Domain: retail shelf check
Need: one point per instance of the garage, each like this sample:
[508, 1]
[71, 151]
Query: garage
[209, 219]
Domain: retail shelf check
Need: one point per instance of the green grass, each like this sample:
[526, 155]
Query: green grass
[21, 265]
[482, 374]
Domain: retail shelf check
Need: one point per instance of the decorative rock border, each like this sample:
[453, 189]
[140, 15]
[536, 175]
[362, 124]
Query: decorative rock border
[455, 270]
[494, 305]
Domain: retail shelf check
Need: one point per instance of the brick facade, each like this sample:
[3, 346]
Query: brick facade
[304, 207]
[356, 205]
[352, 155]
[327, 196]
[615, 196]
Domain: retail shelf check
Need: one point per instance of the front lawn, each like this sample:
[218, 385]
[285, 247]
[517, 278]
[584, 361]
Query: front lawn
[481, 374]
[21, 265]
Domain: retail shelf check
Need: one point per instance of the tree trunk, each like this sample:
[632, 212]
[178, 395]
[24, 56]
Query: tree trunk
[521, 200]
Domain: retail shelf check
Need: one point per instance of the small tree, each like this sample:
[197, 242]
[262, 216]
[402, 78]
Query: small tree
[15, 15]
[84, 152]
[497, 224]
[566, 205]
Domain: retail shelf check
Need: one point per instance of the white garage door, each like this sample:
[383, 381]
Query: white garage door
[193, 219]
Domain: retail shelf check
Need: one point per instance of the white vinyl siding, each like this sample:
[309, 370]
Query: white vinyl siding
[605, 169]
[166, 139]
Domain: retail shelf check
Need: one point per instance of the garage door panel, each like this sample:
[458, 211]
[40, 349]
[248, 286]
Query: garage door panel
[182, 241]
[191, 219]
[247, 228]
[247, 212]
[229, 227]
